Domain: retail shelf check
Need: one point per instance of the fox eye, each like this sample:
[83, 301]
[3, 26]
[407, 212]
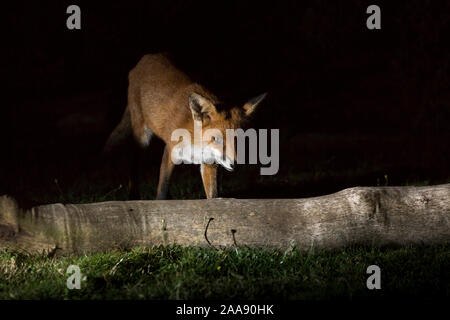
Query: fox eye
[217, 140]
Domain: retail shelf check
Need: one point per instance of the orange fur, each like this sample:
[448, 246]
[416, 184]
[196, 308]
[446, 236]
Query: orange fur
[162, 98]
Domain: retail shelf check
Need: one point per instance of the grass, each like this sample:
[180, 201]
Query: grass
[241, 273]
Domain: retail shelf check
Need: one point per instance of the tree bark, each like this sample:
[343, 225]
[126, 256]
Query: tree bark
[361, 215]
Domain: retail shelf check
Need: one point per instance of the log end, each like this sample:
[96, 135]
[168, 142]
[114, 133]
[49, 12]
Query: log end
[9, 217]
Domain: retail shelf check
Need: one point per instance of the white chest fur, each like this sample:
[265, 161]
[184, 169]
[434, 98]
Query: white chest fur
[195, 154]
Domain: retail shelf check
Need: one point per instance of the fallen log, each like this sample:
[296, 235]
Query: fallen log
[360, 215]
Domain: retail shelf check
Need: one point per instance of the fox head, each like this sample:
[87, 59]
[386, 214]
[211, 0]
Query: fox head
[212, 145]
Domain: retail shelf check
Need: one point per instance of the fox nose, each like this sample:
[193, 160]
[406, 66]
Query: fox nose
[228, 165]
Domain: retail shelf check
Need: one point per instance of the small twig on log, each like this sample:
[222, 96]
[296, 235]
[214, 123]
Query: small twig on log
[233, 231]
[206, 233]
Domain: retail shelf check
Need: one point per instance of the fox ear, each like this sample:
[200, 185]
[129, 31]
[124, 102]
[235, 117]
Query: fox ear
[201, 106]
[251, 105]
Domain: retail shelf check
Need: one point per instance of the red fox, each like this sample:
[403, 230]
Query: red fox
[162, 99]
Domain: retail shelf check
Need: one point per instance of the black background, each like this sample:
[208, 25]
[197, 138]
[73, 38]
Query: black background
[379, 97]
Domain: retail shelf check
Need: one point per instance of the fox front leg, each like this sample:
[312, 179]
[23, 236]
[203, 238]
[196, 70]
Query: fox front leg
[165, 172]
[209, 178]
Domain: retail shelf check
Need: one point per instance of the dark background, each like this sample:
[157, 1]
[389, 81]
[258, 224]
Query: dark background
[354, 106]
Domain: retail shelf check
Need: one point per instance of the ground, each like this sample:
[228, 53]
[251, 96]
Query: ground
[331, 163]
